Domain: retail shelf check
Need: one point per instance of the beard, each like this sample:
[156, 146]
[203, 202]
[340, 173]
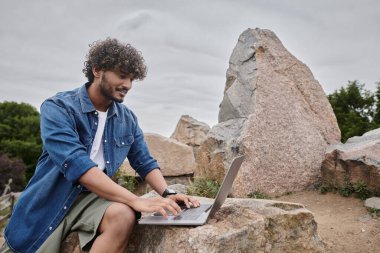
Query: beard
[107, 91]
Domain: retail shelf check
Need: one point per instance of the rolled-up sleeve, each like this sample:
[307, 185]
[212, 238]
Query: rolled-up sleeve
[61, 141]
[139, 157]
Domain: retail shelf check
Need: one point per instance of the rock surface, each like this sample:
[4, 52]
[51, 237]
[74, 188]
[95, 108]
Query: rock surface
[173, 157]
[358, 160]
[373, 202]
[241, 225]
[190, 132]
[275, 113]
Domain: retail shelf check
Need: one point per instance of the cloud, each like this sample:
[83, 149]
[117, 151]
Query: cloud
[135, 21]
[186, 44]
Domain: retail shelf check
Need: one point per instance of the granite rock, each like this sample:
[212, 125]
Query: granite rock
[373, 202]
[190, 132]
[356, 161]
[274, 112]
[173, 157]
[241, 225]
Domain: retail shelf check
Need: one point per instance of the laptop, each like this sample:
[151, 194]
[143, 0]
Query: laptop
[199, 215]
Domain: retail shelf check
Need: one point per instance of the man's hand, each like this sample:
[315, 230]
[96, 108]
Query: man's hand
[161, 205]
[187, 200]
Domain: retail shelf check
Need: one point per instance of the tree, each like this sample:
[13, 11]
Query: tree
[354, 108]
[20, 133]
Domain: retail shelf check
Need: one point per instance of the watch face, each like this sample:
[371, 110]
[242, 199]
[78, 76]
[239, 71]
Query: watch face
[171, 191]
[168, 192]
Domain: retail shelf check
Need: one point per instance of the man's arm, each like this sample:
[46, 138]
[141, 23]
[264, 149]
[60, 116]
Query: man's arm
[158, 183]
[99, 183]
[144, 164]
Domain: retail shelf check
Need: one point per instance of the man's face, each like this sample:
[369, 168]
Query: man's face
[115, 85]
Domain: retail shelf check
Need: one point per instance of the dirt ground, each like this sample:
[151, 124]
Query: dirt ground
[344, 224]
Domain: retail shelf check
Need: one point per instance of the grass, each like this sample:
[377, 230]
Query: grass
[374, 211]
[258, 195]
[128, 182]
[203, 187]
[358, 189]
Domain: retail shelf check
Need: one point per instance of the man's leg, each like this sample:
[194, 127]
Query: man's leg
[5, 248]
[84, 217]
[115, 229]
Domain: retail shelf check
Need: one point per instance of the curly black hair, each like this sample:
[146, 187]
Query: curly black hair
[110, 54]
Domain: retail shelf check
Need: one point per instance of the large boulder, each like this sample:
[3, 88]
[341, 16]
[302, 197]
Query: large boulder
[173, 157]
[241, 225]
[356, 161]
[275, 113]
[190, 132]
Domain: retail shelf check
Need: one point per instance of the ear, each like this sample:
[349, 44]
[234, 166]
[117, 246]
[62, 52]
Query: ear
[97, 73]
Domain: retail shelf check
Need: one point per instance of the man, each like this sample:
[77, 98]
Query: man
[87, 133]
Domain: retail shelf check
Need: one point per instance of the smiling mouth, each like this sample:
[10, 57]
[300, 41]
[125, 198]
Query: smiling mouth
[123, 92]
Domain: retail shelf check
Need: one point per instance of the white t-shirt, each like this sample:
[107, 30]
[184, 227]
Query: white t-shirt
[97, 146]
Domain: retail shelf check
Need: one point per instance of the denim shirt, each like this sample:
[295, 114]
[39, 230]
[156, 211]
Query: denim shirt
[68, 127]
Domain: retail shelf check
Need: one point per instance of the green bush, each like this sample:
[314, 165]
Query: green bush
[203, 187]
[258, 195]
[346, 191]
[20, 134]
[128, 182]
[374, 211]
[358, 189]
[361, 191]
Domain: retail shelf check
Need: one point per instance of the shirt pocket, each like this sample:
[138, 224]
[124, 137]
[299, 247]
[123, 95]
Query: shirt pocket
[123, 145]
[124, 142]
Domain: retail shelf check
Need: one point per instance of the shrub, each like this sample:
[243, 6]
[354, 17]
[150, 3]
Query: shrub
[374, 211]
[258, 195]
[128, 182]
[203, 187]
[359, 189]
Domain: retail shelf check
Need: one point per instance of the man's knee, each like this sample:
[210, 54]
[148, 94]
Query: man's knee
[118, 216]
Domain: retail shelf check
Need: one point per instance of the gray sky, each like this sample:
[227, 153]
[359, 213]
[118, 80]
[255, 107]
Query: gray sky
[186, 45]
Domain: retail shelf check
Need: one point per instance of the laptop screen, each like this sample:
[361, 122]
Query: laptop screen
[227, 184]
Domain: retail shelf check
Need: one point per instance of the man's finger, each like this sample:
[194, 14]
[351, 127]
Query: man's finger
[194, 202]
[171, 206]
[175, 205]
[162, 211]
[189, 200]
[186, 200]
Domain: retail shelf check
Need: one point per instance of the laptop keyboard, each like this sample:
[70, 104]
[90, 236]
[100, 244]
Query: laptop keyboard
[192, 213]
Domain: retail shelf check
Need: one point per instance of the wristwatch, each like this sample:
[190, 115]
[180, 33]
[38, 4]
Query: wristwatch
[168, 192]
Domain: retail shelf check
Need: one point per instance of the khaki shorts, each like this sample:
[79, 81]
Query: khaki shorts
[84, 217]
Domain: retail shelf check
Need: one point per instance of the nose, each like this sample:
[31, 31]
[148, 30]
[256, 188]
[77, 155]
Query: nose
[127, 83]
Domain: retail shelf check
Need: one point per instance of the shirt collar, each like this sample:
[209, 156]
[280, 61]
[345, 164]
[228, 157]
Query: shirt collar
[87, 105]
